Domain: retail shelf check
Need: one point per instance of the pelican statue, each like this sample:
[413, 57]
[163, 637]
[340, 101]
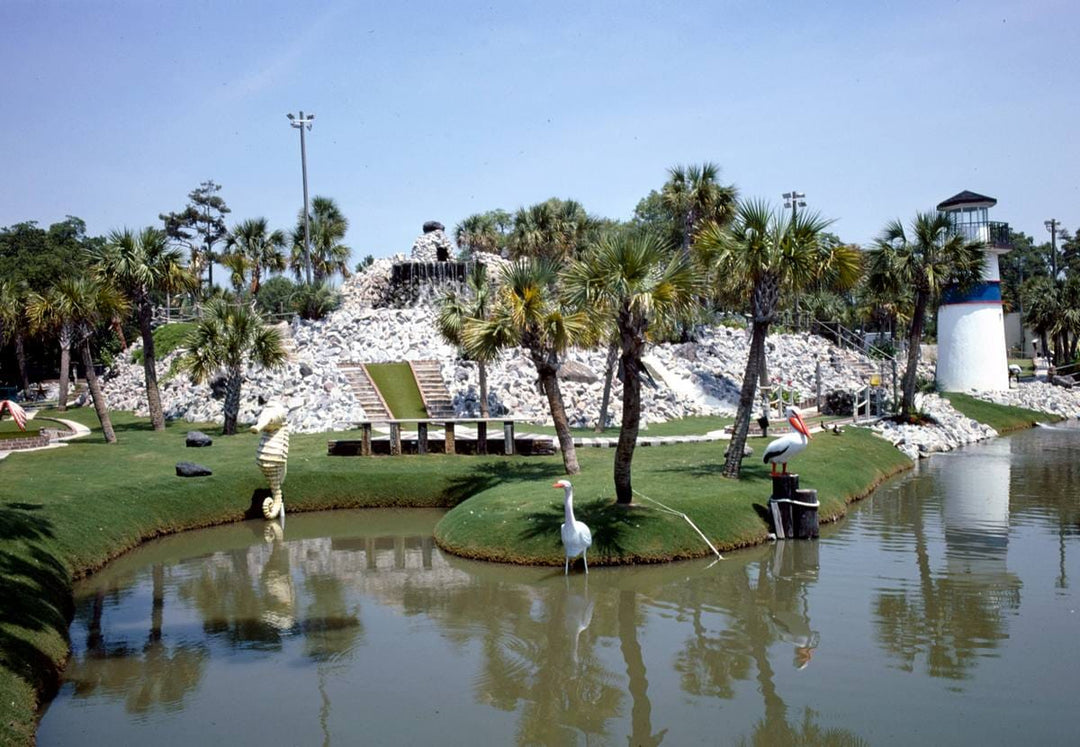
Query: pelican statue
[272, 456]
[785, 447]
[576, 537]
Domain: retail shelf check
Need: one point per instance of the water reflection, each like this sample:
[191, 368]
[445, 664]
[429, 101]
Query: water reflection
[354, 623]
[954, 611]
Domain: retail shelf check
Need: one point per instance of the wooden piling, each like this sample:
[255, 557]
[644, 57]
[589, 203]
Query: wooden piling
[448, 438]
[481, 437]
[794, 511]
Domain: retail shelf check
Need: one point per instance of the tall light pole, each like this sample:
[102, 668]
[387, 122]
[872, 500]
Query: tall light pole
[794, 200]
[301, 123]
[1052, 227]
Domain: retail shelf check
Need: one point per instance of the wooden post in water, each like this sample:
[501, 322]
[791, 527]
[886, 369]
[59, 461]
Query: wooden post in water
[794, 511]
[448, 438]
[421, 438]
[481, 437]
[395, 439]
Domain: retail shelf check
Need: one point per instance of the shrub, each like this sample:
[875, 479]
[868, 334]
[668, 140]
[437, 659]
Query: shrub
[315, 301]
[275, 296]
[167, 338]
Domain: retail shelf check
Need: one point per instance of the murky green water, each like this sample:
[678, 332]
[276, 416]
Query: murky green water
[942, 611]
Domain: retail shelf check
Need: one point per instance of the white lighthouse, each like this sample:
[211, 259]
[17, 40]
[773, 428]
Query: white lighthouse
[971, 329]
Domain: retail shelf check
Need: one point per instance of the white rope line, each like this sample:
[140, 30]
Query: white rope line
[668, 509]
[815, 504]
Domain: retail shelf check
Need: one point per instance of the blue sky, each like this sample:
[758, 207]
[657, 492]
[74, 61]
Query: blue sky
[114, 111]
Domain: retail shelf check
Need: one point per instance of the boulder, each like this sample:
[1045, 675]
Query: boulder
[433, 225]
[579, 372]
[198, 438]
[190, 469]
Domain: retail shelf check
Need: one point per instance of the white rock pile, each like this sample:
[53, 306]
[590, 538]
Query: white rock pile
[699, 378]
[1038, 395]
[950, 430]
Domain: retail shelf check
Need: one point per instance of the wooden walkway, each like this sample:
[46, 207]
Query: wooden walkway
[450, 443]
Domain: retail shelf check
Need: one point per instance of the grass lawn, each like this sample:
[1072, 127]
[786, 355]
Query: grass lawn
[1001, 418]
[8, 429]
[398, 387]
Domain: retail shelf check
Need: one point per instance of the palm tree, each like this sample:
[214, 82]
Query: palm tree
[256, 249]
[81, 304]
[483, 232]
[455, 309]
[141, 264]
[14, 325]
[645, 289]
[528, 312]
[228, 338]
[694, 196]
[932, 258]
[327, 226]
[761, 255]
[553, 230]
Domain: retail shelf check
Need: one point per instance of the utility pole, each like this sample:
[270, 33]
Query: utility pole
[1052, 227]
[300, 123]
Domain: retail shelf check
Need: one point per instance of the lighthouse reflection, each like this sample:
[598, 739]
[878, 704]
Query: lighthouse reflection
[952, 608]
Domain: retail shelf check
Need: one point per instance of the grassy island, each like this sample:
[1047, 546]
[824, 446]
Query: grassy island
[65, 512]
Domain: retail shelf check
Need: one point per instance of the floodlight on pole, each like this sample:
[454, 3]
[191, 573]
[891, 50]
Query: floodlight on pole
[794, 200]
[1052, 226]
[301, 123]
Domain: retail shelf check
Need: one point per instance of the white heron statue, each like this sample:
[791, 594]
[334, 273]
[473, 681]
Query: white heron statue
[785, 447]
[576, 537]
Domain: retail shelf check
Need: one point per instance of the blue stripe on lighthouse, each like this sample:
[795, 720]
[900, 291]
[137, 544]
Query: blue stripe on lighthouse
[985, 292]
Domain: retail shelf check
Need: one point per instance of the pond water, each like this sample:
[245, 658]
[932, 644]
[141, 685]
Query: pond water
[942, 610]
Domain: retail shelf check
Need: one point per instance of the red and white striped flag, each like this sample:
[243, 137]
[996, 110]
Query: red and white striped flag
[17, 413]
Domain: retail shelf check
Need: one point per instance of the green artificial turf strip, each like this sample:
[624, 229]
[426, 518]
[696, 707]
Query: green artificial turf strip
[398, 387]
[1002, 418]
[8, 429]
[167, 338]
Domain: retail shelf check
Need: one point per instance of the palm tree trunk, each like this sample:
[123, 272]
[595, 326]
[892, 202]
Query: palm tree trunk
[918, 319]
[153, 394]
[100, 406]
[549, 382]
[481, 371]
[232, 400]
[733, 463]
[631, 420]
[20, 356]
[65, 370]
[638, 684]
[609, 374]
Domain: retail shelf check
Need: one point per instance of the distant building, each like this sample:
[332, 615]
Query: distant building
[971, 329]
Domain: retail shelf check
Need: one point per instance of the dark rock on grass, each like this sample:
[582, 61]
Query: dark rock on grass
[190, 469]
[198, 438]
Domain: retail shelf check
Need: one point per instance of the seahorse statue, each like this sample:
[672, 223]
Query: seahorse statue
[272, 455]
